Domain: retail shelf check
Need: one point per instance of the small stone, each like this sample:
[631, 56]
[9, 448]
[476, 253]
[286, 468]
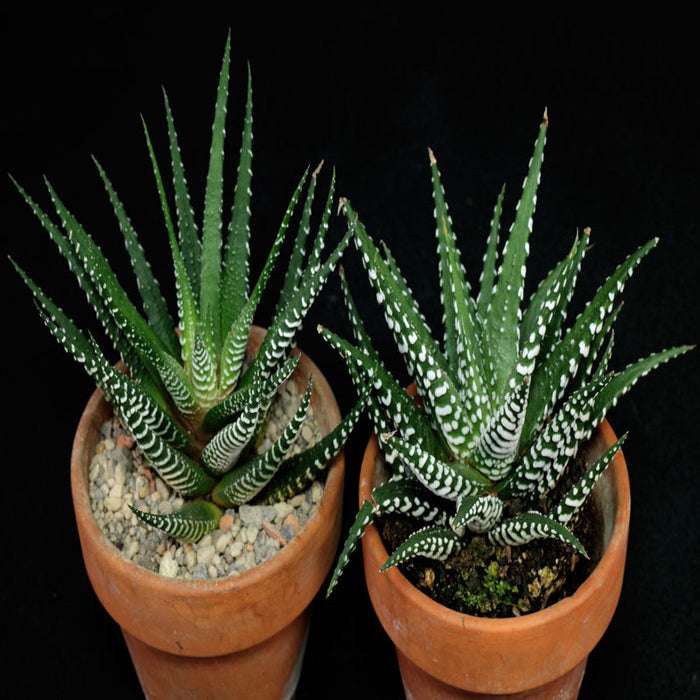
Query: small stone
[251, 515]
[168, 566]
[200, 572]
[125, 441]
[225, 522]
[221, 541]
[282, 510]
[205, 554]
[120, 474]
[236, 549]
[113, 503]
[162, 489]
[292, 521]
[273, 532]
[316, 492]
[131, 549]
[190, 560]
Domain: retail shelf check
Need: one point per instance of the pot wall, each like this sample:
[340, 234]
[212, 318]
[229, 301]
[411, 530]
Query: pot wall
[216, 620]
[501, 656]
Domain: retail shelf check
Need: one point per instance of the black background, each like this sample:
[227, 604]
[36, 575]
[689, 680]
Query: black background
[368, 90]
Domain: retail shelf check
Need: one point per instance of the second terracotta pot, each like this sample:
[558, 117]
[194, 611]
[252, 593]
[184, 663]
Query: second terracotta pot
[240, 636]
[445, 654]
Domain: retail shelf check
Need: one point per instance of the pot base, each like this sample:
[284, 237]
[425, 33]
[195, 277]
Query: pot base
[267, 671]
[418, 684]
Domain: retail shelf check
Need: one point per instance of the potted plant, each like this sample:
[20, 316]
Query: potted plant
[196, 397]
[488, 471]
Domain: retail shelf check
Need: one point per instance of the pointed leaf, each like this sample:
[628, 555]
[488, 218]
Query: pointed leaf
[189, 524]
[187, 227]
[431, 542]
[213, 209]
[234, 289]
[246, 481]
[154, 305]
[531, 526]
[504, 315]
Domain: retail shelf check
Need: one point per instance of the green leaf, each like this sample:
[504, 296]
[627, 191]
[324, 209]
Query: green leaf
[621, 382]
[462, 329]
[422, 355]
[282, 331]
[154, 305]
[498, 445]
[540, 466]
[234, 286]
[431, 542]
[299, 470]
[246, 481]
[194, 520]
[504, 314]
[572, 501]
[295, 266]
[478, 513]
[186, 301]
[233, 350]
[363, 518]
[488, 270]
[531, 526]
[449, 480]
[552, 376]
[401, 410]
[396, 496]
[190, 244]
[213, 208]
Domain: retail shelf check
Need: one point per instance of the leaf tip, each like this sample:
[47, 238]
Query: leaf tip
[431, 156]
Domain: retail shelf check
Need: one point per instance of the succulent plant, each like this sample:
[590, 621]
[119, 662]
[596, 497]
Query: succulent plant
[192, 405]
[506, 399]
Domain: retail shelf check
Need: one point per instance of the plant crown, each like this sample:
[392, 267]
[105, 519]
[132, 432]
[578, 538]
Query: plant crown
[506, 399]
[192, 405]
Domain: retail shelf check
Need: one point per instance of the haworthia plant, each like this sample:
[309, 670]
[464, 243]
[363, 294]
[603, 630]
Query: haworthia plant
[508, 394]
[194, 403]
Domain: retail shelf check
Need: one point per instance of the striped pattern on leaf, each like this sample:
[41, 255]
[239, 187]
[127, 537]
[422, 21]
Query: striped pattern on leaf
[514, 392]
[299, 470]
[574, 499]
[186, 403]
[242, 484]
[444, 479]
[532, 526]
[430, 542]
[478, 513]
[190, 523]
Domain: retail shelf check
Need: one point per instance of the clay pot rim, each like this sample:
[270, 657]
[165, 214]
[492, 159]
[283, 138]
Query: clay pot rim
[199, 588]
[517, 624]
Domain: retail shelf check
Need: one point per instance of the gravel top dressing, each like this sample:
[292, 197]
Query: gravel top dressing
[247, 535]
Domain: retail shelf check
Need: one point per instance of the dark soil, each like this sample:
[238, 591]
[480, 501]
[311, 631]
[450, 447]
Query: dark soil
[494, 581]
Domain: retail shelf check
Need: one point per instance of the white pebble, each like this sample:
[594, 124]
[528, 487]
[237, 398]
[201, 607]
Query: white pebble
[205, 554]
[113, 503]
[168, 566]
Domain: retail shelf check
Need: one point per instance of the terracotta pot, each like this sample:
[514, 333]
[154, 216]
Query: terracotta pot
[241, 636]
[445, 654]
